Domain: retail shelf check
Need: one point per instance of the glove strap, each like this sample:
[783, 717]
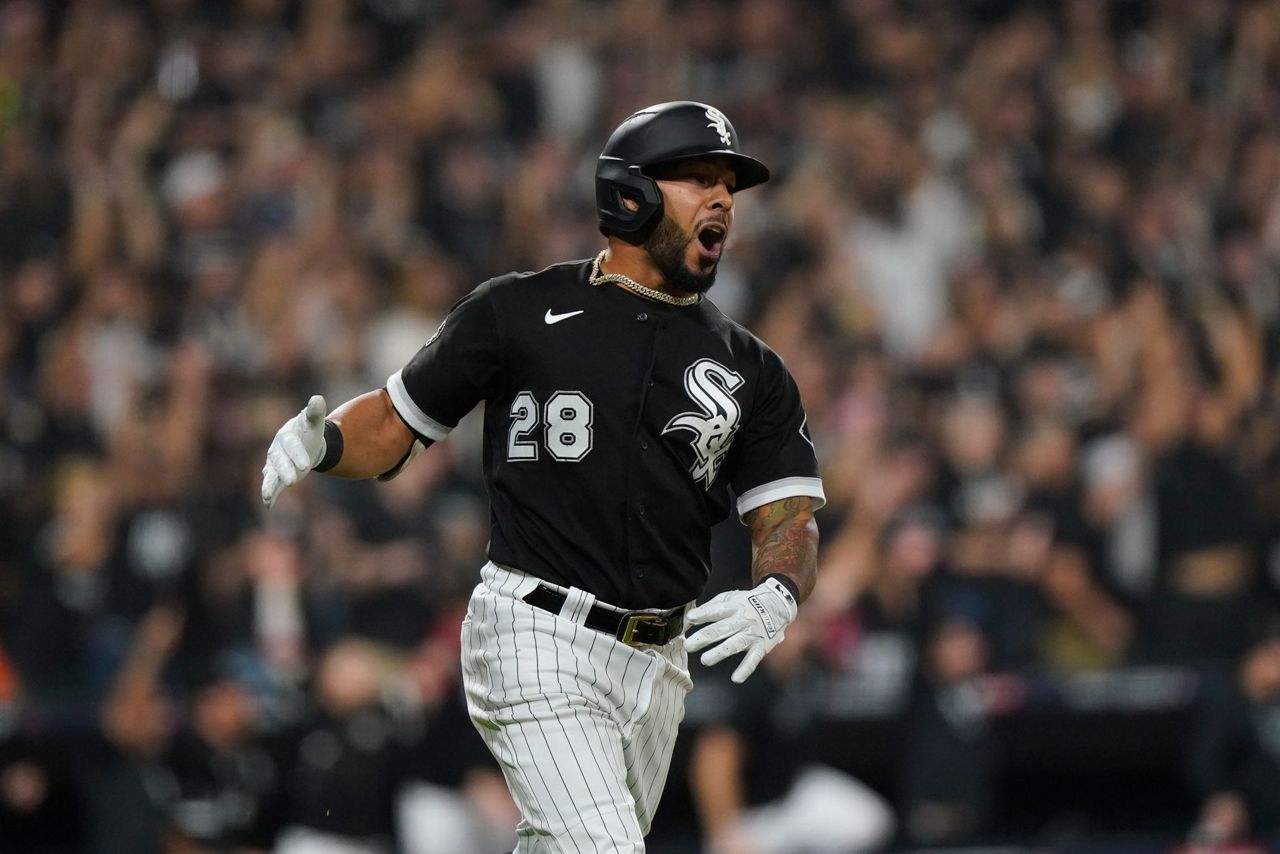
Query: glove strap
[333, 444]
[788, 582]
[773, 622]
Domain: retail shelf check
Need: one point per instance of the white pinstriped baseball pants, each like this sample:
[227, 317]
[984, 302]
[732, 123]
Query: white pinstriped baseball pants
[582, 724]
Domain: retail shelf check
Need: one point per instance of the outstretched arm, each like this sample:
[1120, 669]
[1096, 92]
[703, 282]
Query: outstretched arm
[784, 541]
[362, 438]
[374, 439]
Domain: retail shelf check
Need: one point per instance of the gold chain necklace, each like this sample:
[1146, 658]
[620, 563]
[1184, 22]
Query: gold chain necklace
[598, 278]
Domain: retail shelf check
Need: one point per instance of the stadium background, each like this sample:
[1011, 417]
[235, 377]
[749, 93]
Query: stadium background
[1022, 258]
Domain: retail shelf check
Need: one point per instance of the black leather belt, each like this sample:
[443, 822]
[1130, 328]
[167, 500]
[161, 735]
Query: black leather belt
[634, 628]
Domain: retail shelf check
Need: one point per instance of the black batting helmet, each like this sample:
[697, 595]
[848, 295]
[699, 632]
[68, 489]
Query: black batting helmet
[676, 130]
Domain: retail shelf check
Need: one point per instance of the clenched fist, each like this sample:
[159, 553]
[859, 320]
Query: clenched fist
[296, 449]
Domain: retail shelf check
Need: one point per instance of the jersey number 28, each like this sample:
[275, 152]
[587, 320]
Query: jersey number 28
[566, 416]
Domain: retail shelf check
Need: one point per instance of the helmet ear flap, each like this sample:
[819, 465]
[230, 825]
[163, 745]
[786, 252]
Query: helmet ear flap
[663, 133]
[615, 184]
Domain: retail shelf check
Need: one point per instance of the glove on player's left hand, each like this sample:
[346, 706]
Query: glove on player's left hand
[750, 620]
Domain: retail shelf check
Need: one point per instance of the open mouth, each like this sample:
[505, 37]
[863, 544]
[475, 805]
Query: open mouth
[711, 237]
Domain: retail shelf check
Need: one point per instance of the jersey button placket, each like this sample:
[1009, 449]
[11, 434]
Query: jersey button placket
[639, 512]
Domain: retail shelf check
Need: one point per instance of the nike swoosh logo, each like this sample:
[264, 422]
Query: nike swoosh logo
[556, 318]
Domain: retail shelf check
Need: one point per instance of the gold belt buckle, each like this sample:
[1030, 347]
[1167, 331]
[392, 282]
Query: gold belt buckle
[633, 619]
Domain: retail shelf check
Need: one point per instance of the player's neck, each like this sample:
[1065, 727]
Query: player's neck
[634, 263]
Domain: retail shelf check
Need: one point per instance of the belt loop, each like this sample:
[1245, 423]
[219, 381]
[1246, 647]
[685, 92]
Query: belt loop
[577, 604]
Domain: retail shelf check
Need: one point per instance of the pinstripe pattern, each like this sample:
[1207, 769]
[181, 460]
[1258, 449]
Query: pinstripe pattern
[582, 725]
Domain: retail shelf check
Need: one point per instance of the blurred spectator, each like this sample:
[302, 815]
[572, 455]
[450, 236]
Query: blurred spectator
[879, 643]
[1120, 514]
[371, 764]
[137, 719]
[1089, 624]
[67, 641]
[948, 772]
[226, 779]
[1201, 606]
[1234, 755]
[454, 797]
[40, 808]
[758, 777]
[343, 764]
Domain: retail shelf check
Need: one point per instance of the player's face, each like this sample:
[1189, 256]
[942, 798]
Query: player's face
[697, 201]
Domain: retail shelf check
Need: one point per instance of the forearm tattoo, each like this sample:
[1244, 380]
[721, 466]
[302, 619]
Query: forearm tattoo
[784, 538]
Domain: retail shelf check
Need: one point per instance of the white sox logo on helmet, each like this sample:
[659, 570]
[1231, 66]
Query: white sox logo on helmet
[711, 385]
[720, 124]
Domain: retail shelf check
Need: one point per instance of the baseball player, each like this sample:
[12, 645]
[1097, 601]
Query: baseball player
[624, 416]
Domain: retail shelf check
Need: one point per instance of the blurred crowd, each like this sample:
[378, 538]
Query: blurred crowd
[1023, 259]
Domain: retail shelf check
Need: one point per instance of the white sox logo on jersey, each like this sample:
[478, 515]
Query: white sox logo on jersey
[711, 385]
[720, 123]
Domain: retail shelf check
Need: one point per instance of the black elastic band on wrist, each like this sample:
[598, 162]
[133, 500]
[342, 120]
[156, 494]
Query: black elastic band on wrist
[332, 446]
[788, 582]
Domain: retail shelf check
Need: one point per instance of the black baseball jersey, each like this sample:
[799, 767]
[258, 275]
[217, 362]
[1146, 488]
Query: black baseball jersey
[615, 428]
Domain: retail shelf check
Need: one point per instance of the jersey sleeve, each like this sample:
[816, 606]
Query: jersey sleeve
[457, 368]
[776, 459]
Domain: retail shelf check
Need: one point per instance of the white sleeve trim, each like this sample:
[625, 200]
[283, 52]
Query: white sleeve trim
[409, 411]
[787, 487]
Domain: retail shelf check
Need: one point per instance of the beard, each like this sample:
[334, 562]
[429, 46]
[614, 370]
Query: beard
[666, 246]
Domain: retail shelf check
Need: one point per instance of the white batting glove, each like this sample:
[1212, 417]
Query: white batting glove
[750, 621]
[297, 448]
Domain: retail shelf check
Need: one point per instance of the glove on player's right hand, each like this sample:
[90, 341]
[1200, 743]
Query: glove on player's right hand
[750, 620]
[298, 446]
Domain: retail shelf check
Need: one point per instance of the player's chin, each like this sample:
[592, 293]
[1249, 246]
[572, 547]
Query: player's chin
[699, 280]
